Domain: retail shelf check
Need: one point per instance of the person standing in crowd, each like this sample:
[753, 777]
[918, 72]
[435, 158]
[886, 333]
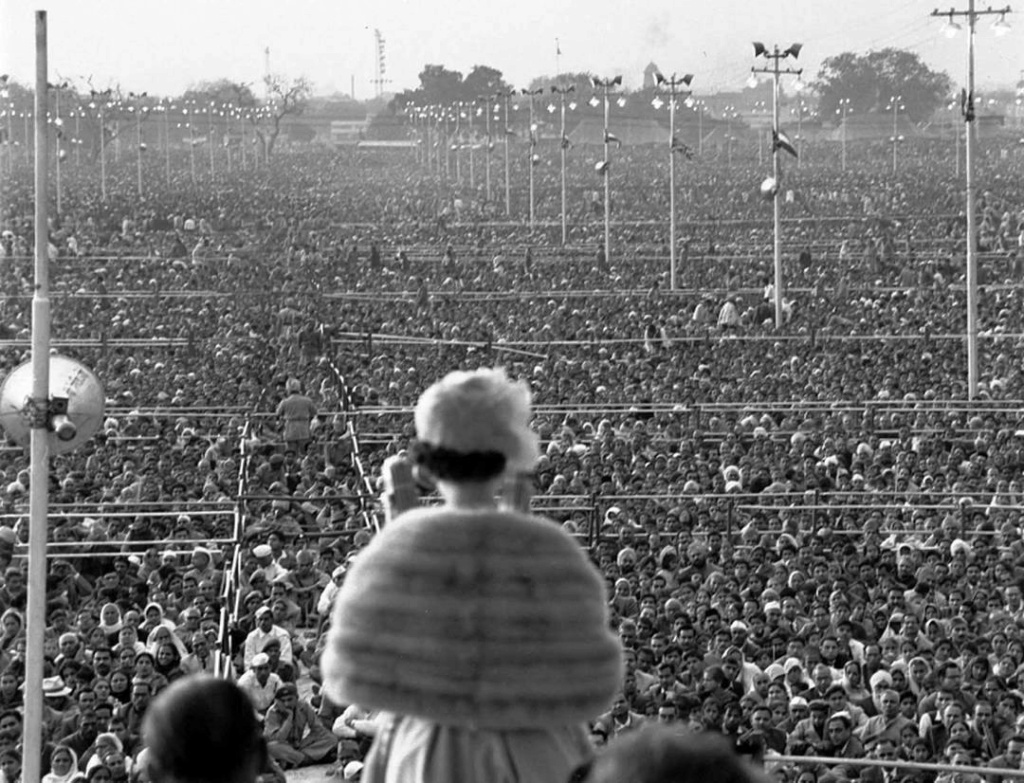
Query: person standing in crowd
[296, 411]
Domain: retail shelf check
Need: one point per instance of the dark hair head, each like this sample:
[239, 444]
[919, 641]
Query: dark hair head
[450, 465]
[659, 754]
[203, 729]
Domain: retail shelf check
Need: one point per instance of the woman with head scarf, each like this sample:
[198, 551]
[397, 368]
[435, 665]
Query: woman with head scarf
[162, 634]
[12, 626]
[63, 765]
[128, 639]
[111, 622]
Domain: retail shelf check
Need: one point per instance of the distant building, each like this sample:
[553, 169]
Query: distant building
[348, 131]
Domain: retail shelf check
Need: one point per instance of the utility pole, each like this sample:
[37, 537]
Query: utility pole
[606, 86]
[775, 58]
[564, 145]
[534, 160]
[967, 107]
[508, 132]
[672, 83]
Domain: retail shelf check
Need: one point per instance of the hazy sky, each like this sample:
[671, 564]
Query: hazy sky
[163, 47]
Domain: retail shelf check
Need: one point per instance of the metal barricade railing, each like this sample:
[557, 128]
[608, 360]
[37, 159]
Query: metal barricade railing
[771, 761]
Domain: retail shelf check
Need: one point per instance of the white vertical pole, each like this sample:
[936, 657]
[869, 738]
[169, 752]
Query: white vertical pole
[561, 145]
[39, 443]
[672, 187]
[607, 186]
[972, 228]
[776, 201]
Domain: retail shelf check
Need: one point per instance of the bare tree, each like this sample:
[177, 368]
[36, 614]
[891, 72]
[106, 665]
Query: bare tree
[284, 97]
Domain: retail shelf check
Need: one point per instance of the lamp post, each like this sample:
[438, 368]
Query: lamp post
[101, 104]
[77, 114]
[209, 135]
[29, 139]
[563, 143]
[5, 94]
[530, 94]
[842, 111]
[189, 114]
[954, 107]
[606, 85]
[241, 135]
[895, 104]
[508, 132]
[730, 115]
[760, 107]
[967, 106]
[471, 110]
[137, 109]
[799, 129]
[698, 105]
[775, 58]
[672, 84]
[487, 109]
[58, 127]
[455, 140]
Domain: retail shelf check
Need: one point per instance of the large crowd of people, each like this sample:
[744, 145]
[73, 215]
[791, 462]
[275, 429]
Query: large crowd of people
[811, 540]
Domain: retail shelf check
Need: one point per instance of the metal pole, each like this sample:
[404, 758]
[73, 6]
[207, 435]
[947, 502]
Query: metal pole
[10, 139]
[191, 145]
[561, 144]
[138, 148]
[57, 134]
[672, 187]
[39, 443]
[487, 158]
[78, 137]
[776, 202]
[956, 127]
[799, 131]
[843, 102]
[103, 152]
[167, 142]
[472, 168]
[458, 143]
[533, 150]
[209, 139]
[700, 127]
[607, 186]
[972, 229]
[508, 182]
[447, 144]
[241, 131]
[895, 123]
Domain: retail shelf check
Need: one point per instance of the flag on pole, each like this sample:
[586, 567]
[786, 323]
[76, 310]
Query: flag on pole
[558, 48]
[611, 138]
[782, 142]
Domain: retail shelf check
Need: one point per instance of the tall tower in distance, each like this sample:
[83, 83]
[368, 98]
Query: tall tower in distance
[380, 69]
